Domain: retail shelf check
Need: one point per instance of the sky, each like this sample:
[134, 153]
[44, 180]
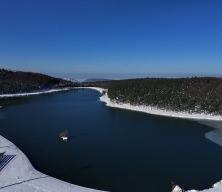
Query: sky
[111, 38]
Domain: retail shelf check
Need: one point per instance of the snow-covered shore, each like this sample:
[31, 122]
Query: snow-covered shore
[33, 93]
[141, 108]
[47, 91]
[217, 187]
[99, 89]
[20, 176]
[161, 112]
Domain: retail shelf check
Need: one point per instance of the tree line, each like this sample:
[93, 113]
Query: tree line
[197, 94]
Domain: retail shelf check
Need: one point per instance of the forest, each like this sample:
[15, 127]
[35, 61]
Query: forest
[194, 95]
[21, 82]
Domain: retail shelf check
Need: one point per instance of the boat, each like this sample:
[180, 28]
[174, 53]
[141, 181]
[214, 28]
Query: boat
[64, 135]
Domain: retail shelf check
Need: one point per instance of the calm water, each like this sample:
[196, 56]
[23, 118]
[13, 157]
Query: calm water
[111, 149]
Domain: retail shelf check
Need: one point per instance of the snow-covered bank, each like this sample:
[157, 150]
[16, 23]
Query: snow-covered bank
[35, 181]
[101, 90]
[140, 108]
[156, 111]
[20, 176]
[47, 91]
[217, 187]
[33, 93]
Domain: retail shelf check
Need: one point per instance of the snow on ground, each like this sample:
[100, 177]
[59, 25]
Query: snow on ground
[47, 91]
[20, 176]
[156, 111]
[33, 93]
[101, 90]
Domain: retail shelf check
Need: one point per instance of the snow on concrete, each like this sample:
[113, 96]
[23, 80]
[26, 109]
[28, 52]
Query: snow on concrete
[20, 176]
[4, 142]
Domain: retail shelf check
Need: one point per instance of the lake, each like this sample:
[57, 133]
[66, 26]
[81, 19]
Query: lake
[110, 149]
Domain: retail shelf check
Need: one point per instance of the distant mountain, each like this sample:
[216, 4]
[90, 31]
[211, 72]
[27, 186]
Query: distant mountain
[19, 82]
[95, 80]
[71, 79]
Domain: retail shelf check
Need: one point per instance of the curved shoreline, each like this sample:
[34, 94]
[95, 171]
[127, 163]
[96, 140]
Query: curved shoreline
[217, 187]
[20, 176]
[51, 184]
[33, 93]
[160, 112]
[141, 108]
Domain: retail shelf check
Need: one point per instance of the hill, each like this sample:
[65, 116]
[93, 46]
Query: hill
[20, 82]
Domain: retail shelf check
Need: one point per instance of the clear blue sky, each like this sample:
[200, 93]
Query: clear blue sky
[112, 36]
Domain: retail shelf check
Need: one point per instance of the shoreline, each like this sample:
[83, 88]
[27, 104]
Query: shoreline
[55, 185]
[33, 93]
[47, 92]
[160, 112]
[19, 175]
[140, 108]
[154, 111]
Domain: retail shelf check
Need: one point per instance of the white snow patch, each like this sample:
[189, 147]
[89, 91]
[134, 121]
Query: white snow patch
[161, 112]
[33, 93]
[177, 189]
[101, 90]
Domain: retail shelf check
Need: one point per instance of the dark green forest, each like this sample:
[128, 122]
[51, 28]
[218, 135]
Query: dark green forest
[23, 82]
[200, 95]
[20, 82]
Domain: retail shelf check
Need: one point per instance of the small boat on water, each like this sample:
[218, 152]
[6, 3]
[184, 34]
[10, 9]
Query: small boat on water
[64, 135]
